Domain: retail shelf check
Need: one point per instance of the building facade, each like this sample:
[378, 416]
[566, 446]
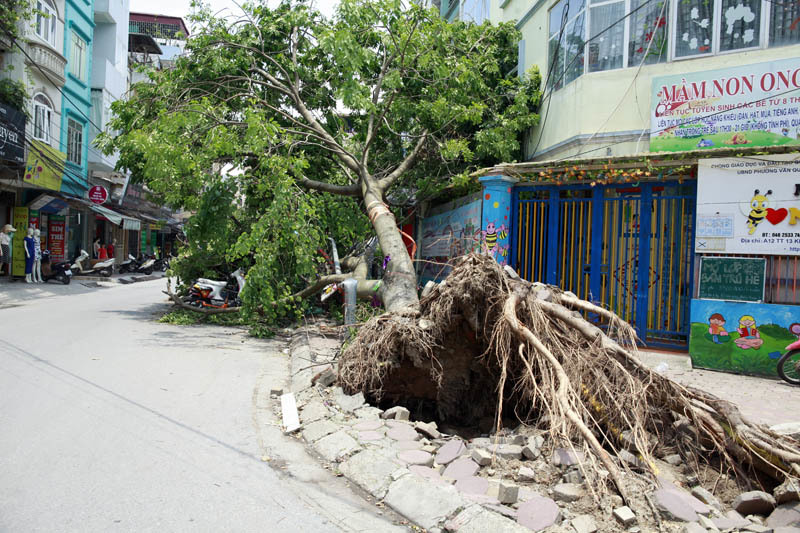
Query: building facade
[599, 60]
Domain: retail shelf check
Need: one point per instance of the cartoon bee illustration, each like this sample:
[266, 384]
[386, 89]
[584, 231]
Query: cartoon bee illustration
[490, 237]
[758, 203]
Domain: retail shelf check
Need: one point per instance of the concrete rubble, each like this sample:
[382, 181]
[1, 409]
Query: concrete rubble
[511, 482]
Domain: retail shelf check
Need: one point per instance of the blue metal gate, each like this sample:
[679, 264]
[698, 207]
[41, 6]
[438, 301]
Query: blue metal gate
[628, 248]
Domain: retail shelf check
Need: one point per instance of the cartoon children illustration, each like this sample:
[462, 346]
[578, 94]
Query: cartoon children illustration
[749, 337]
[716, 329]
[490, 238]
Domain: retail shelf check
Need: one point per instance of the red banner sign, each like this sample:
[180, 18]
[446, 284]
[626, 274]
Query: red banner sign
[98, 194]
[57, 233]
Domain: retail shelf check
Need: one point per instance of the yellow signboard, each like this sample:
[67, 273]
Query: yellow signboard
[45, 166]
[18, 242]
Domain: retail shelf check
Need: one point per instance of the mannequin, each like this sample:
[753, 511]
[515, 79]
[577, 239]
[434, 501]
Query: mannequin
[30, 254]
[37, 256]
[5, 248]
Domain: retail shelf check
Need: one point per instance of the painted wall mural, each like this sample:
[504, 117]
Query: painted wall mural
[747, 338]
[447, 235]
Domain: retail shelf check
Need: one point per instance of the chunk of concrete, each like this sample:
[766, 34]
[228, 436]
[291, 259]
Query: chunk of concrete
[291, 418]
[348, 403]
[481, 456]
[337, 445]
[507, 492]
[397, 413]
[325, 377]
[584, 524]
[476, 519]
[428, 429]
[316, 430]
[568, 492]
[371, 471]
[314, 410]
[526, 474]
[788, 491]
[706, 497]
[423, 502]
[530, 452]
[693, 527]
[451, 450]
[754, 502]
[673, 506]
[509, 451]
[368, 412]
[565, 457]
[460, 468]
[368, 425]
[538, 513]
[624, 516]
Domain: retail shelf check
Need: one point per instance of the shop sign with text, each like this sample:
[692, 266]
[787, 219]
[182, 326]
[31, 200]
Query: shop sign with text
[748, 205]
[750, 105]
[45, 166]
[98, 194]
[57, 233]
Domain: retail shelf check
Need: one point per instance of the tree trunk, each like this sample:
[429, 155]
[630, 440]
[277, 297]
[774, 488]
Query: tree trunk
[399, 288]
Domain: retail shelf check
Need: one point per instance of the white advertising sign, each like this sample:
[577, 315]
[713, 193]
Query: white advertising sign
[749, 205]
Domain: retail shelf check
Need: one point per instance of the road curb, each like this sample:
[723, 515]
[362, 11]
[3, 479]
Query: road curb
[353, 437]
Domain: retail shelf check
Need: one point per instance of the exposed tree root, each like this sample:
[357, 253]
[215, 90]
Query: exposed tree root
[488, 343]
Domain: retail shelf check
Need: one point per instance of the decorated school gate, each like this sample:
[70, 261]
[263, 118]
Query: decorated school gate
[626, 247]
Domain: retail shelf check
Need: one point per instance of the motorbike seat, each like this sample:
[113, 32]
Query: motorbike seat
[204, 281]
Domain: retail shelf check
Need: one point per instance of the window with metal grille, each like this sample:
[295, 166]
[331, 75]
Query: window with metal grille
[74, 141]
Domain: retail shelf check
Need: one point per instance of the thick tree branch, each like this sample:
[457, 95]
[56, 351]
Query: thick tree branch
[343, 190]
[407, 163]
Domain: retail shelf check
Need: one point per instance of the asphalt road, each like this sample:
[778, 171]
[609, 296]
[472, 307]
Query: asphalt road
[110, 421]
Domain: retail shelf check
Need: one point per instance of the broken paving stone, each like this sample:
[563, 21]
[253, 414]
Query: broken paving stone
[526, 474]
[450, 451]
[568, 492]
[368, 425]
[397, 413]
[460, 468]
[788, 491]
[674, 459]
[706, 522]
[706, 497]
[475, 519]
[787, 514]
[509, 451]
[693, 527]
[316, 430]
[507, 492]
[428, 429]
[336, 445]
[423, 502]
[348, 403]
[416, 457]
[624, 515]
[538, 513]
[426, 472]
[473, 485]
[583, 524]
[503, 510]
[731, 520]
[530, 452]
[368, 412]
[573, 475]
[314, 410]
[370, 470]
[402, 432]
[325, 377]
[480, 456]
[757, 528]
[674, 506]
[754, 502]
[565, 457]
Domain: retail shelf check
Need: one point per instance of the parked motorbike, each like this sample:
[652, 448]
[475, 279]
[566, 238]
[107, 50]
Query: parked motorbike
[161, 264]
[219, 294]
[83, 266]
[58, 271]
[144, 265]
[789, 364]
[127, 264]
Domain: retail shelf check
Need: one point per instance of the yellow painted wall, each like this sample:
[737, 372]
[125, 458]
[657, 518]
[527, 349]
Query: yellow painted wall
[606, 102]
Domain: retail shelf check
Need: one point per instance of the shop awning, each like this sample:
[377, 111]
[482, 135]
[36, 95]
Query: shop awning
[116, 218]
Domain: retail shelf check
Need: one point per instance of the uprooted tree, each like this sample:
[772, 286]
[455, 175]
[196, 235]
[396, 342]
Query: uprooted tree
[488, 344]
[384, 101]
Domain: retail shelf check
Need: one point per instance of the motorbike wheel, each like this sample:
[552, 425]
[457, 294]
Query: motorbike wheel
[789, 367]
[63, 278]
[148, 271]
[106, 272]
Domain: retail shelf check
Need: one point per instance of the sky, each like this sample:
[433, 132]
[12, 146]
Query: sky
[180, 8]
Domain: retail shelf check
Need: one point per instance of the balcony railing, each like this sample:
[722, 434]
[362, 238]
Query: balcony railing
[49, 60]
